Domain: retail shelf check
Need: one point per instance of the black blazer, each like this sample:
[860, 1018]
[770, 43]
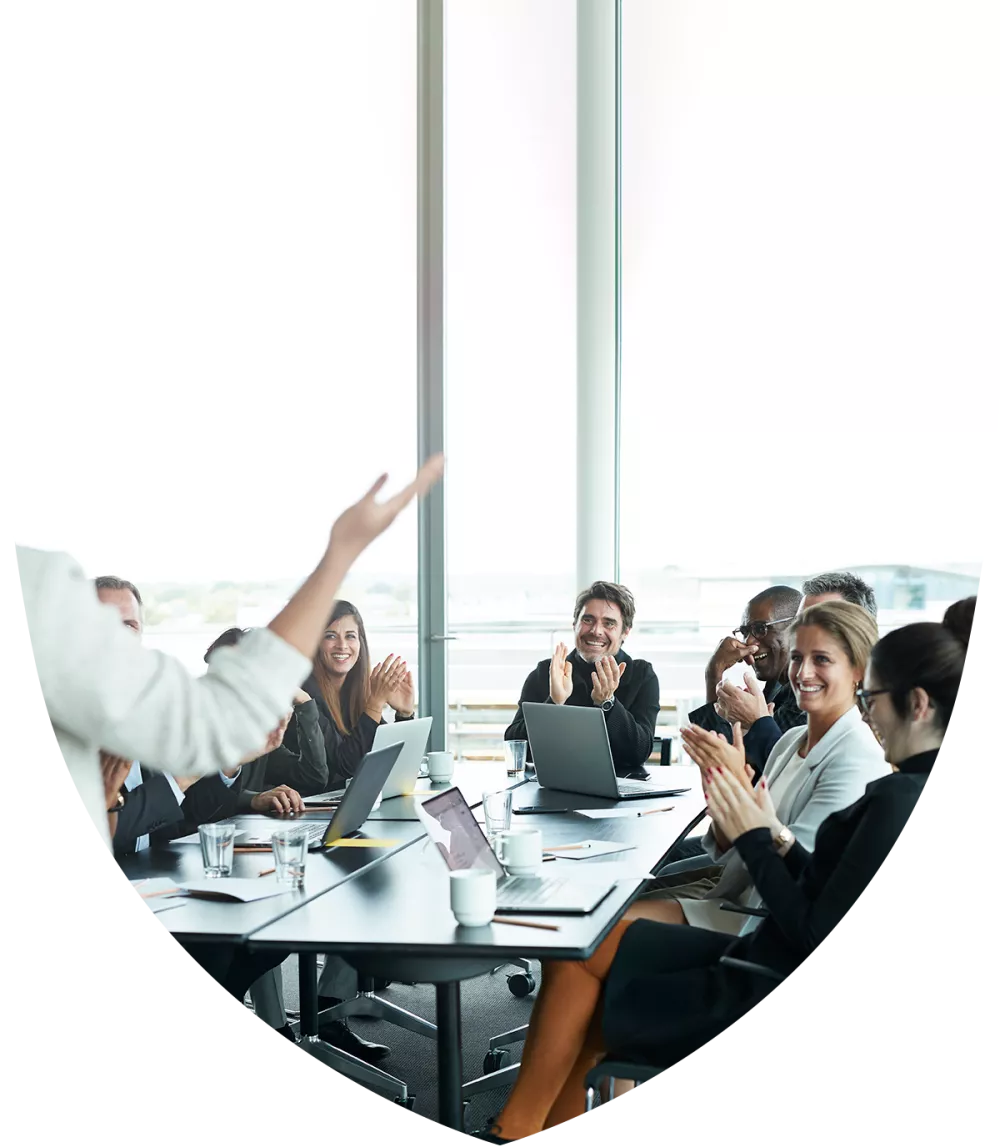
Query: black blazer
[631, 722]
[344, 751]
[666, 992]
[149, 808]
[302, 768]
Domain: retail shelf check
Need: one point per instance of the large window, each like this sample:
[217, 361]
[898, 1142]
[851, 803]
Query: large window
[807, 195]
[234, 275]
[510, 229]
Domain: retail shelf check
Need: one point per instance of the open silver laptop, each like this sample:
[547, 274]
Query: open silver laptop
[463, 845]
[412, 735]
[354, 807]
[570, 748]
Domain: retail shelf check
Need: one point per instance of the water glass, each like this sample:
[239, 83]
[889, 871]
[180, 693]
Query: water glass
[290, 847]
[217, 847]
[496, 810]
[515, 753]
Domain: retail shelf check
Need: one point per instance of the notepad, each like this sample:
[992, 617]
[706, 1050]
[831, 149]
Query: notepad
[594, 848]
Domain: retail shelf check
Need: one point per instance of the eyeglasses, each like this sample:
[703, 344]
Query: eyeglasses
[758, 628]
[865, 696]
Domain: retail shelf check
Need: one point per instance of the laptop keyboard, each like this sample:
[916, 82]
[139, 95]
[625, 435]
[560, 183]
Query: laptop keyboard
[525, 892]
[638, 787]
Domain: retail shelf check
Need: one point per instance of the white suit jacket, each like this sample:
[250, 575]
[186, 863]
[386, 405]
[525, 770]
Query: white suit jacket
[104, 690]
[834, 775]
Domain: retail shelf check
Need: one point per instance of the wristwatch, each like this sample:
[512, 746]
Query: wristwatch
[119, 805]
[608, 705]
[784, 840]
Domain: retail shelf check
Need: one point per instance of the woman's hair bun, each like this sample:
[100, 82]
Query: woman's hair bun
[958, 619]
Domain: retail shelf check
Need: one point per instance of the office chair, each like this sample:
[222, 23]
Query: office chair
[612, 1069]
[367, 1003]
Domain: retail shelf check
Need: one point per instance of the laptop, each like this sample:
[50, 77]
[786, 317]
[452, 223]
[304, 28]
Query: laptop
[570, 748]
[354, 807]
[463, 844]
[412, 735]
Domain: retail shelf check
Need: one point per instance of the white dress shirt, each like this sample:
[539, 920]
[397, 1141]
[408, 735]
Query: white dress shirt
[104, 690]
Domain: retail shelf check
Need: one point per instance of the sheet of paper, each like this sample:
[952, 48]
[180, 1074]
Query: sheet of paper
[364, 842]
[243, 889]
[594, 848]
[194, 839]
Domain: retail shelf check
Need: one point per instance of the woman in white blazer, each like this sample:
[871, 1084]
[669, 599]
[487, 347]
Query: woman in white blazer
[811, 772]
[104, 691]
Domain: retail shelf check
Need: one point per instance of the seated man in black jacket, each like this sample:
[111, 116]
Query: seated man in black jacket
[599, 672]
[150, 802]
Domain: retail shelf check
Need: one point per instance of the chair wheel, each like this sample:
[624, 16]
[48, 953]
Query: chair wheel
[521, 984]
[494, 1060]
[408, 1102]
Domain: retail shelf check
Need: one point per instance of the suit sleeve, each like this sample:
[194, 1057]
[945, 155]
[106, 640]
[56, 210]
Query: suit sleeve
[804, 921]
[535, 688]
[759, 740]
[705, 717]
[148, 807]
[631, 730]
[306, 770]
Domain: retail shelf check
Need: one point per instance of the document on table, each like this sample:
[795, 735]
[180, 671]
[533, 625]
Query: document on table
[159, 892]
[590, 849]
[241, 889]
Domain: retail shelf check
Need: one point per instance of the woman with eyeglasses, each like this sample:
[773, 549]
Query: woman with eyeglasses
[811, 771]
[653, 993]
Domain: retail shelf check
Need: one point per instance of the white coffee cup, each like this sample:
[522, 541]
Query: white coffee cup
[519, 850]
[440, 766]
[474, 896]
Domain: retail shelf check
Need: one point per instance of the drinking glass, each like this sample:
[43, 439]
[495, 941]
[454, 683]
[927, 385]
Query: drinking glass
[496, 810]
[515, 754]
[217, 847]
[290, 847]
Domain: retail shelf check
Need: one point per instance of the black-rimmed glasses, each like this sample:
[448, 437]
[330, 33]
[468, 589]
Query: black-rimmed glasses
[757, 628]
[865, 696]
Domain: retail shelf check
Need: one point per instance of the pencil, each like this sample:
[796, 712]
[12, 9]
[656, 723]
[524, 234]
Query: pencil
[266, 872]
[567, 847]
[668, 808]
[162, 892]
[525, 923]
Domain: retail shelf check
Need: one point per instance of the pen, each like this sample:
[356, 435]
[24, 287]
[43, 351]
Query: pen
[572, 847]
[266, 872]
[525, 923]
[668, 808]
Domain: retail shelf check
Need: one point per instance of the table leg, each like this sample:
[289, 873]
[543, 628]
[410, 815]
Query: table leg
[449, 1038]
[308, 995]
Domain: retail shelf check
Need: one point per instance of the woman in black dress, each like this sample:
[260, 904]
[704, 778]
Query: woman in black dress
[654, 992]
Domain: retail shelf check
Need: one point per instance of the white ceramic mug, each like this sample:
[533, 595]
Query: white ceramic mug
[519, 850]
[440, 766]
[474, 896]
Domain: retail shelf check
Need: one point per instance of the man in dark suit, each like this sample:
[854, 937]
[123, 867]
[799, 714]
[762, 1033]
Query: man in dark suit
[598, 672]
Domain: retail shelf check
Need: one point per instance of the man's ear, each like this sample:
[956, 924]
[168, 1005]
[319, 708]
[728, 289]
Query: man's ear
[625, 633]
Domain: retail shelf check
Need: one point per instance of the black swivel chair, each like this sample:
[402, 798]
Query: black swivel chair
[612, 1069]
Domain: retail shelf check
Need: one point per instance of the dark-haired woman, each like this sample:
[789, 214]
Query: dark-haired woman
[663, 989]
[351, 696]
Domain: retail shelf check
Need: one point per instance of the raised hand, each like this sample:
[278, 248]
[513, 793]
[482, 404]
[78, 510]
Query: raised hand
[605, 677]
[114, 770]
[384, 681]
[743, 706]
[737, 810]
[560, 675]
[402, 699]
[712, 750]
[359, 525]
[729, 652]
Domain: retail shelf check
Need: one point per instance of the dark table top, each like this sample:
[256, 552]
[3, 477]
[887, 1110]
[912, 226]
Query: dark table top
[402, 906]
[197, 920]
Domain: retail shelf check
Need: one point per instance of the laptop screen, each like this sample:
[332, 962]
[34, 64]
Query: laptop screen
[453, 828]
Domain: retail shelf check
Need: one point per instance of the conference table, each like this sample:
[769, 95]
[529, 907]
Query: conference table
[394, 919]
[386, 909]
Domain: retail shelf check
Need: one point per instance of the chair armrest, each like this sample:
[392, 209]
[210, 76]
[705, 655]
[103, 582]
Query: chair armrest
[753, 969]
[729, 906]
